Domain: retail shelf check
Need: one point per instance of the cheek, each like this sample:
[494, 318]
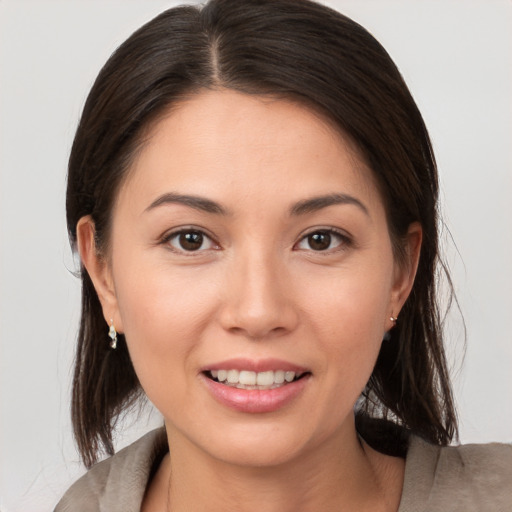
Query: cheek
[347, 318]
[163, 314]
[351, 304]
[155, 297]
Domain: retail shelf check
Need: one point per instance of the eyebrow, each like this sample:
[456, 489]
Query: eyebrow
[196, 202]
[304, 207]
[317, 203]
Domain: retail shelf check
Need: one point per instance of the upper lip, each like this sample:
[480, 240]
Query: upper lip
[255, 365]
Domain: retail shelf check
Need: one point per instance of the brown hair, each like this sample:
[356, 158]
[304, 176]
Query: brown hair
[287, 48]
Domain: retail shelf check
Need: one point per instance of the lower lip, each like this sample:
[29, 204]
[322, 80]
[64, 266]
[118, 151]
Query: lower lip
[255, 400]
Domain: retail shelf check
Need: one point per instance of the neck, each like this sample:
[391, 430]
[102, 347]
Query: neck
[341, 474]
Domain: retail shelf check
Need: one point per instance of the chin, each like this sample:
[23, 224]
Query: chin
[263, 444]
[264, 453]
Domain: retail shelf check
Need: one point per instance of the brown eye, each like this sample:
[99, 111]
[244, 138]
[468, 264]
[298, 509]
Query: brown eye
[190, 241]
[324, 240]
[319, 241]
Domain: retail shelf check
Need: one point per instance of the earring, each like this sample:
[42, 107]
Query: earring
[387, 334]
[113, 335]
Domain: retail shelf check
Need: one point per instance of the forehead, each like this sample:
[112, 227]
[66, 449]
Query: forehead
[220, 142]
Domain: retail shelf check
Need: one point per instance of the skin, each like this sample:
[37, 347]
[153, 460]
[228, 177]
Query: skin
[256, 288]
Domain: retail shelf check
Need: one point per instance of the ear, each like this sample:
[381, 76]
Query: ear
[405, 271]
[99, 270]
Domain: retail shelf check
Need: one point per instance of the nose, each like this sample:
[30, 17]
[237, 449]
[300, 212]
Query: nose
[258, 302]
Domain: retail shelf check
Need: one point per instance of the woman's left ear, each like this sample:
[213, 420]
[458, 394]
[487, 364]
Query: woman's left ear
[405, 270]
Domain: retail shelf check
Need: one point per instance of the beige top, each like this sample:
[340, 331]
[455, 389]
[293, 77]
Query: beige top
[469, 478]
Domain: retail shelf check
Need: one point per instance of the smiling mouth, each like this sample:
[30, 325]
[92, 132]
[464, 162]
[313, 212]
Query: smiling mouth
[245, 379]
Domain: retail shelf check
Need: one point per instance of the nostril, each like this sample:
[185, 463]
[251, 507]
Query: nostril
[256, 334]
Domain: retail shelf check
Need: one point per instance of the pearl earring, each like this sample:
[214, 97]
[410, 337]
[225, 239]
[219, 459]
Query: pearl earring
[113, 334]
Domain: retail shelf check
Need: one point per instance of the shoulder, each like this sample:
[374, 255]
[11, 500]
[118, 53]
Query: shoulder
[479, 462]
[119, 482]
[473, 477]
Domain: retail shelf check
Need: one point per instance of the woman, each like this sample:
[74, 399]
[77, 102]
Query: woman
[253, 195]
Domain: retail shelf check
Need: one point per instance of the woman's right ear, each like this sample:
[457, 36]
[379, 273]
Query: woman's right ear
[97, 267]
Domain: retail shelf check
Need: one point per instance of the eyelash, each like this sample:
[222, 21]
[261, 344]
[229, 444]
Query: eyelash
[166, 239]
[345, 240]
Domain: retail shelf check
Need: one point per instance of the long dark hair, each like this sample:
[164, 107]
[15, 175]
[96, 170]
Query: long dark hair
[285, 48]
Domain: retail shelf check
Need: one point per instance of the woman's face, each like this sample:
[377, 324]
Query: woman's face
[249, 248]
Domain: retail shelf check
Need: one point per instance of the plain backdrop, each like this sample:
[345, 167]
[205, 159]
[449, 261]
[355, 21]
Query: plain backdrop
[456, 57]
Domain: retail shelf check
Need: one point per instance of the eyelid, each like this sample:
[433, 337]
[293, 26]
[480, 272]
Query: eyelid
[169, 235]
[347, 240]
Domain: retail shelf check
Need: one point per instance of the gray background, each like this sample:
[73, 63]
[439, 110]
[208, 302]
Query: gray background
[456, 57]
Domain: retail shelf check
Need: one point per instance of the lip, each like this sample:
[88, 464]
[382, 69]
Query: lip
[255, 365]
[255, 401]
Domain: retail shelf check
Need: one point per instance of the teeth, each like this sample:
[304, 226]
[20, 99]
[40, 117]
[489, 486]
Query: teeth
[289, 376]
[279, 377]
[247, 378]
[233, 376]
[253, 380]
[265, 378]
